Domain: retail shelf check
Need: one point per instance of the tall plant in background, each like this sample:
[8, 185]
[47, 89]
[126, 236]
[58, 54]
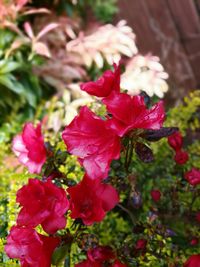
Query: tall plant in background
[18, 55]
[77, 50]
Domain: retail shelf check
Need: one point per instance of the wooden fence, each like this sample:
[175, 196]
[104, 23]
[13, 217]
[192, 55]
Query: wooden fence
[171, 30]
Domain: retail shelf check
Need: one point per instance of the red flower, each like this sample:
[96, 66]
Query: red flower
[176, 141]
[88, 263]
[193, 176]
[110, 81]
[42, 203]
[90, 200]
[100, 254]
[96, 257]
[96, 146]
[156, 195]
[141, 244]
[194, 241]
[29, 148]
[193, 261]
[31, 248]
[131, 113]
[118, 264]
[181, 157]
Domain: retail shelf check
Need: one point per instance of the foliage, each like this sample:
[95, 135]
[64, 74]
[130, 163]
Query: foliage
[103, 10]
[18, 84]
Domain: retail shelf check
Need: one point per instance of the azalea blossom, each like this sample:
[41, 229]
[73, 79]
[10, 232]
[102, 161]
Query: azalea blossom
[42, 203]
[156, 195]
[108, 82]
[141, 244]
[181, 157]
[194, 241]
[130, 113]
[98, 256]
[31, 248]
[101, 254]
[193, 176]
[95, 145]
[176, 141]
[91, 199]
[29, 148]
[117, 263]
[193, 261]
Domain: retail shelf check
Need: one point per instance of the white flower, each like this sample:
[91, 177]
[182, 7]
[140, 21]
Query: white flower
[145, 73]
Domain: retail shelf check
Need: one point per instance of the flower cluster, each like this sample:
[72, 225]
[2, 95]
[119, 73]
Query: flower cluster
[96, 142]
[176, 142]
[181, 157]
[101, 256]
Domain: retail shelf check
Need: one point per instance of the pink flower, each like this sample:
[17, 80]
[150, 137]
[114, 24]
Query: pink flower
[31, 248]
[156, 195]
[193, 261]
[141, 244]
[29, 148]
[90, 200]
[42, 203]
[175, 141]
[21, 3]
[130, 113]
[96, 146]
[100, 256]
[181, 157]
[110, 81]
[193, 176]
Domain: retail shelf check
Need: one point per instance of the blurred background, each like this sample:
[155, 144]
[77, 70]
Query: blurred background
[47, 48]
[171, 30]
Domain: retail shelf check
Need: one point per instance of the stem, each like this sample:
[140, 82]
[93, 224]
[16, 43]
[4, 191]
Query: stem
[127, 211]
[130, 152]
[192, 202]
[128, 155]
[67, 262]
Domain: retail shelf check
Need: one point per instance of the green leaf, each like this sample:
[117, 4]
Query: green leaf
[11, 83]
[8, 66]
[60, 254]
